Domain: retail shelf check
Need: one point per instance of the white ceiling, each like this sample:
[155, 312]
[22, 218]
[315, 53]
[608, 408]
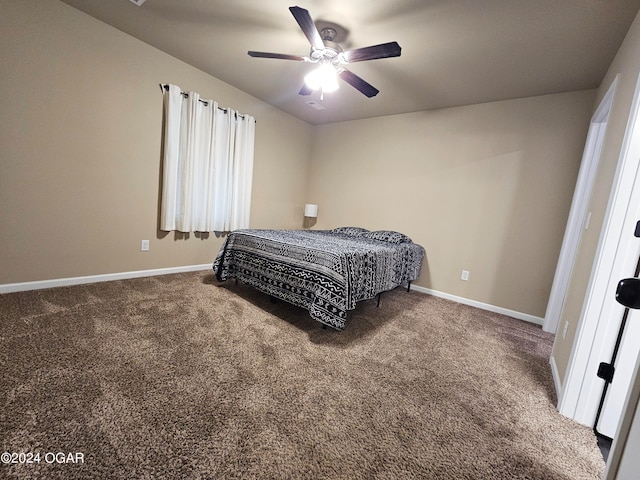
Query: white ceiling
[454, 52]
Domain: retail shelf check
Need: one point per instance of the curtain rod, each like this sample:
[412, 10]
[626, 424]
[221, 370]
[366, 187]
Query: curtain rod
[164, 86]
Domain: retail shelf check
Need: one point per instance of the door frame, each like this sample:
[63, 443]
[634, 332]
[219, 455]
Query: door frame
[578, 215]
[600, 313]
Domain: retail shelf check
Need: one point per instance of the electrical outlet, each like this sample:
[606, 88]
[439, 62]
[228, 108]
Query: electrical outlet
[144, 245]
[465, 275]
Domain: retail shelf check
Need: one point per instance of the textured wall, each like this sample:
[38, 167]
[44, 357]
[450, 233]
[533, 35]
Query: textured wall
[484, 188]
[80, 149]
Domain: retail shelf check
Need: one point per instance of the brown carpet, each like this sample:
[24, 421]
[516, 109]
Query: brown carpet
[178, 376]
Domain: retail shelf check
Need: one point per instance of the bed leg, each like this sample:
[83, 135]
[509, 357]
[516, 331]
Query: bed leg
[409, 286]
[378, 304]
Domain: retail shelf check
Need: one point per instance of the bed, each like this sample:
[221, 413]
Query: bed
[326, 272]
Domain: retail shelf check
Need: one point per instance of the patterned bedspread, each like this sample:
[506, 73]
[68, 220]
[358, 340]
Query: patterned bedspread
[324, 272]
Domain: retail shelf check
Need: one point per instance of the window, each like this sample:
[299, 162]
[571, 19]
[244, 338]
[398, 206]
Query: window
[207, 165]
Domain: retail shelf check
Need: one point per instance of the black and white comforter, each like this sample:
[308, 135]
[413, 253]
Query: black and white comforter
[325, 272]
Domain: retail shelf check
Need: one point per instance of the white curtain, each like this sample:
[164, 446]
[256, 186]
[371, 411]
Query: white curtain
[207, 165]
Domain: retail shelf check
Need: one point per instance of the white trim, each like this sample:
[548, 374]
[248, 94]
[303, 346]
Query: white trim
[483, 306]
[624, 448]
[556, 376]
[66, 282]
[594, 341]
[107, 277]
[578, 215]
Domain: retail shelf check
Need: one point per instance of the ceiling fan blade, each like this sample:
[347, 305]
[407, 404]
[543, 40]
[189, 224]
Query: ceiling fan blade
[384, 50]
[358, 83]
[305, 21]
[281, 56]
[305, 90]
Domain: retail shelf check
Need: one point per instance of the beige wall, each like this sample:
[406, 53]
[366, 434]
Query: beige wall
[485, 188]
[627, 64]
[81, 120]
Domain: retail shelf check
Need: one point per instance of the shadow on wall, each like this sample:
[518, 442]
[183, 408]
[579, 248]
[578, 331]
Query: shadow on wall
[425, 274]
[309, 222]
[178, 236]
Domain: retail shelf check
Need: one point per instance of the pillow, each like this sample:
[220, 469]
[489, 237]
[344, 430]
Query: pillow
[353, 231]
[388, 236]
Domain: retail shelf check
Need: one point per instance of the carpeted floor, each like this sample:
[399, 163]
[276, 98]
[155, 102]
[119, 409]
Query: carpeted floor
[178, 376]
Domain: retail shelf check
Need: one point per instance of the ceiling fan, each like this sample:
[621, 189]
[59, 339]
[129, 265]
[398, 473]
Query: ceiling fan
[331, 58]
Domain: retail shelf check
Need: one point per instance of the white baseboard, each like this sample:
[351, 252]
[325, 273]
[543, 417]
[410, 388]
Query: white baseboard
[556, 377]
[65, 282]
[484, 306]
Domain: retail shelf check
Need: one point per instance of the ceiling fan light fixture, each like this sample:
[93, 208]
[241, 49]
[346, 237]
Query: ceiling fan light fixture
[330, 56]
[324, 78]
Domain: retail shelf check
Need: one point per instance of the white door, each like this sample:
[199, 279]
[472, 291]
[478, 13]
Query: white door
[617, 392]
[625, 265]
[617, 255]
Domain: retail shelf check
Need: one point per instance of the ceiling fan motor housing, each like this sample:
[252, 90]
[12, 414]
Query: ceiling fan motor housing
[332, 52]
[326, 52]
